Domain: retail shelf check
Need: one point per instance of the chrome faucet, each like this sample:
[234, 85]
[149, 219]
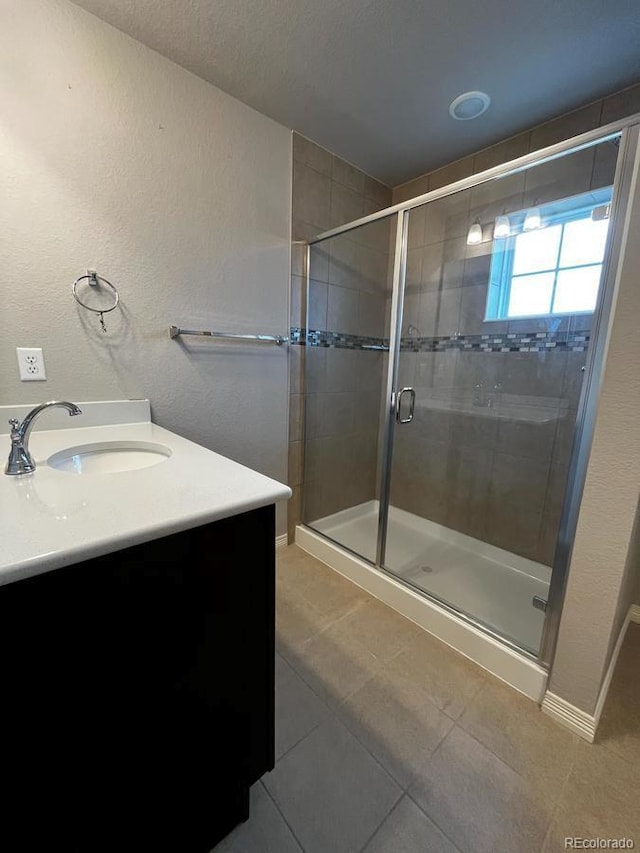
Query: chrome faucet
[20, 460]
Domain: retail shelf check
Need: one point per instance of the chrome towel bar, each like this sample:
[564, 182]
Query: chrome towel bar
[175, 331]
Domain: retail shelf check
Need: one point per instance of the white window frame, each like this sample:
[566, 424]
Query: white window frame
[503, 253]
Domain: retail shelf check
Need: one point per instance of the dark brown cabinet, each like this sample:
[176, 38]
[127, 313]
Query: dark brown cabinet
[137, 693]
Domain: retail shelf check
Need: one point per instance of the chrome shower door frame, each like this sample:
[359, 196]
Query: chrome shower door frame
[627, 130]
[397, 304]
[590, 393]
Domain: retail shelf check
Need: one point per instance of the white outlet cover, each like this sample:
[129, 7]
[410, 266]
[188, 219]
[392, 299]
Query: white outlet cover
[31, 364]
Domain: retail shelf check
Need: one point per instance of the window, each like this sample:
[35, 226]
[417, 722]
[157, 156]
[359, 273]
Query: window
[554, 269]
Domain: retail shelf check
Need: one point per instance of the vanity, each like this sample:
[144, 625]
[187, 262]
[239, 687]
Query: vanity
[137, 623]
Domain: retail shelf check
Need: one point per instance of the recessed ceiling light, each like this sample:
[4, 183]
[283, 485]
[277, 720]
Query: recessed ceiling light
[469, 105]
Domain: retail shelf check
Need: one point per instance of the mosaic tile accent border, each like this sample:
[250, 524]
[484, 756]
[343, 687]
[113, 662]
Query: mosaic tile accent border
[320, 338]
[507, 342]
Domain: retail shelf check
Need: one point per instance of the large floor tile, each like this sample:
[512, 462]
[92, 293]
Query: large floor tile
[293, 566]
[601, 799]
[488, 772]
[325, 590]
[334, 664]
[478, 801]
[264, 832]
[514, 728]
[409, 830]
[296, 621]
[331, 791]
[298, 709]
[396, 724]
[449, 680]
[330, 593]
[379, 629]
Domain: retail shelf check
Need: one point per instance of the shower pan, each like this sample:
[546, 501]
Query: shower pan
[453, 349]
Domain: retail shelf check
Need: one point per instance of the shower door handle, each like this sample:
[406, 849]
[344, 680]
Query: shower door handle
[412, 405]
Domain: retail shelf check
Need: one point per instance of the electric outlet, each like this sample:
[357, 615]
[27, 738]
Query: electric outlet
[31, 364]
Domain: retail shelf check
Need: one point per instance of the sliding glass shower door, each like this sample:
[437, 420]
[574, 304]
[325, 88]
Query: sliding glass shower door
[493, 328]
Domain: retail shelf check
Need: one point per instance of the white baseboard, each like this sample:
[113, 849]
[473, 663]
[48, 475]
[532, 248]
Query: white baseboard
[583, 724]
[563, 712]
[281, 541]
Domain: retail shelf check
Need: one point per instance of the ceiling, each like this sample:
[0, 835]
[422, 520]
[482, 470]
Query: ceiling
[371, 80]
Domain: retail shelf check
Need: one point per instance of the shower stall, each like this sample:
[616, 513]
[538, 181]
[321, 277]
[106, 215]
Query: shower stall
[453, 349]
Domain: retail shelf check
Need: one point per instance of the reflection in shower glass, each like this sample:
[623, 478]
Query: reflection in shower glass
[493, 340]
[554, 265]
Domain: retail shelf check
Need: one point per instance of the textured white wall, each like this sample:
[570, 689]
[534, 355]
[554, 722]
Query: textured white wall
[113, 157]
[599, 589]
[629, 586]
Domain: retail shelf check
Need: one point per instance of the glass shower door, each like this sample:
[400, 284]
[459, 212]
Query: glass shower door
[346, 352]
[500, 287]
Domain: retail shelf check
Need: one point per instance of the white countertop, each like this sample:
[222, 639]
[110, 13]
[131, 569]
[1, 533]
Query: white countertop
[53, 518]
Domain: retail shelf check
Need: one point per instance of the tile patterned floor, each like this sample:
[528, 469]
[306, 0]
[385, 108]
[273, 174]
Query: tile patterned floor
[389, 742]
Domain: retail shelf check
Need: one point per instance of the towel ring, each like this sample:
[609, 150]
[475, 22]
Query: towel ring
[94, 279]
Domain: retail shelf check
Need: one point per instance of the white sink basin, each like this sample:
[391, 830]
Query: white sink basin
[108, 457]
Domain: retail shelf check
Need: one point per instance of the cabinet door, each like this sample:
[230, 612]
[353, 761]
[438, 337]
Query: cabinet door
[139, 690]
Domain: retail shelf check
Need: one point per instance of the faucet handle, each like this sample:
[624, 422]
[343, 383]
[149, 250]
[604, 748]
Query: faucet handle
[14, 423]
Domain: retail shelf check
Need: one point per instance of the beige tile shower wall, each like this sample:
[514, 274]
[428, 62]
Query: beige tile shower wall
[342, 414]
[346, 295]
[497, 479]
[348, 282]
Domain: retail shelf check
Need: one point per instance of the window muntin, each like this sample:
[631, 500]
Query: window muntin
[553, 270]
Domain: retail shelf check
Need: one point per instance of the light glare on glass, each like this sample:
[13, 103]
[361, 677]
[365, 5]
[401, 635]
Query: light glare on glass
[502, 227]
[475, 234]
[533, 219]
